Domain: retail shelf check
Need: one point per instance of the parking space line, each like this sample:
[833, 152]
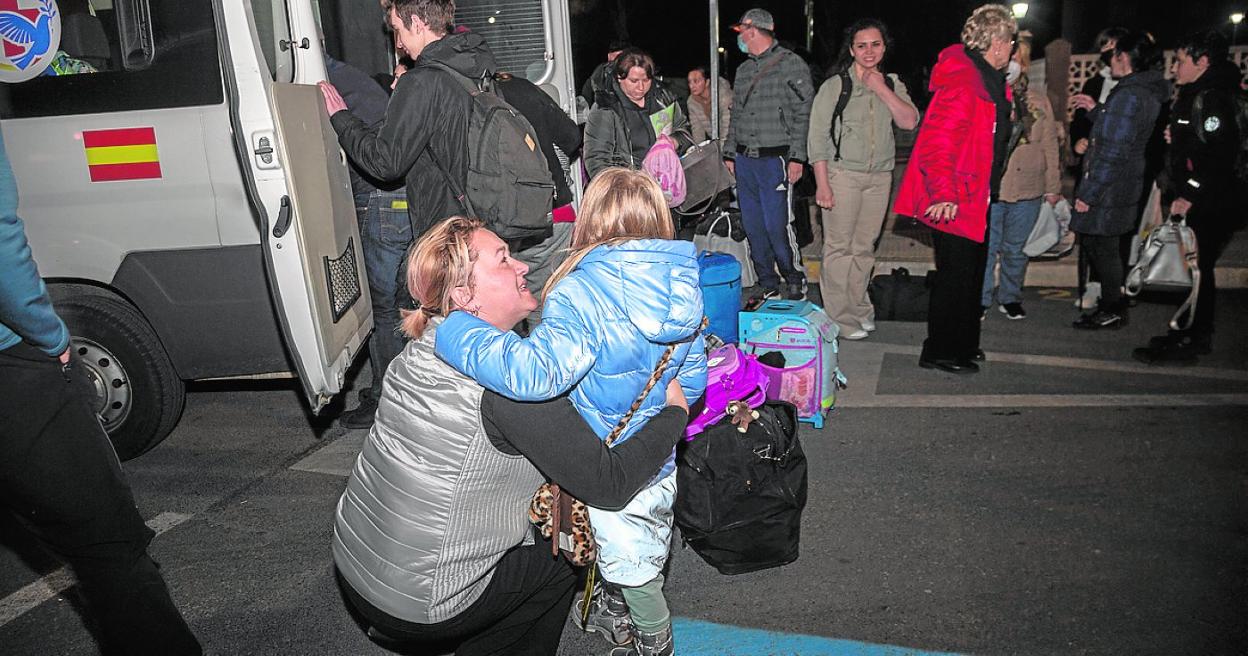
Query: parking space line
[31, 596]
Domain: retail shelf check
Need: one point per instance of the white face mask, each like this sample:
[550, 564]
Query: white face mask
[1012, 72]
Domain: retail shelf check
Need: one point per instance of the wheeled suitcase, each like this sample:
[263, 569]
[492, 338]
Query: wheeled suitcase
[802, 332]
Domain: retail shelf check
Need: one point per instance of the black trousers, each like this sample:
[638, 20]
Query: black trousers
[954, 311]
[521, 611]
[1211, 241]
[1104, 256]
[60, 476]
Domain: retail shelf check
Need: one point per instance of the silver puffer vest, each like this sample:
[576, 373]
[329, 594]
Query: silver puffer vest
[431, 505]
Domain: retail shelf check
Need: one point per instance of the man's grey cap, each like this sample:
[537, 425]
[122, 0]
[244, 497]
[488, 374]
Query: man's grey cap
[756, 17]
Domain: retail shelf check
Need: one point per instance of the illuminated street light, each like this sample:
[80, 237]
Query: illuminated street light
[1019, 9]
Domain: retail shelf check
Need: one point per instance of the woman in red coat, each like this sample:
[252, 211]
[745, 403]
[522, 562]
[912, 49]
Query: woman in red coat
[954, 174]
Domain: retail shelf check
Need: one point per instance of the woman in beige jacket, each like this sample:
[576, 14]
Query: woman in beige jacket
[853, 155]
[1032, 176]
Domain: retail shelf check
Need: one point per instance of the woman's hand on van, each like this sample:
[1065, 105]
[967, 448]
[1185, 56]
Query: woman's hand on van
[676, 396]
[333, 100]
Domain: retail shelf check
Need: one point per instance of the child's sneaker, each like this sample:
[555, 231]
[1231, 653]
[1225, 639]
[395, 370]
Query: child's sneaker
[608, 615]
[648, 644]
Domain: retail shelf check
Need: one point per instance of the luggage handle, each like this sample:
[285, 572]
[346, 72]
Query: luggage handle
[722, 215]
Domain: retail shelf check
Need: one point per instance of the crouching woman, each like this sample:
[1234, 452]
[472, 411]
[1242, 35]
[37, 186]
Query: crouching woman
[432, 540]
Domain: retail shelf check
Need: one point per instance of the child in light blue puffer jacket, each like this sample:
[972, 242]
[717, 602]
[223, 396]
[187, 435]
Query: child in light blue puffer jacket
[625, 293]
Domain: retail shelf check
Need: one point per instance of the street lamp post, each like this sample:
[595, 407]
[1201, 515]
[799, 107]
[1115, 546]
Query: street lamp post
[1236, 19]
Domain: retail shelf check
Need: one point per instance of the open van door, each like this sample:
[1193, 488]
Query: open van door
[301, 191]
[312, 248]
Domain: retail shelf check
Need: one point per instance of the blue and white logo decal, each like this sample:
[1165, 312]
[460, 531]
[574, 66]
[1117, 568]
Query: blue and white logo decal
[30, 34]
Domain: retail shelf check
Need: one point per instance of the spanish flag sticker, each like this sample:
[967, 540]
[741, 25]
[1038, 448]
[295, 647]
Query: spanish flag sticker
[123, 154]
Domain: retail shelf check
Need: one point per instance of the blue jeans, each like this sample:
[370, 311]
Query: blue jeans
[1009, 226]
[385, 234]
[763, 193]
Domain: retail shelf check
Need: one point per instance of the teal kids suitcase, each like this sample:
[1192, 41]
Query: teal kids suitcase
[806, 337]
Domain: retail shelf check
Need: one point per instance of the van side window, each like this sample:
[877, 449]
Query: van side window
[515, 30]
[273, 30]
[125, 55]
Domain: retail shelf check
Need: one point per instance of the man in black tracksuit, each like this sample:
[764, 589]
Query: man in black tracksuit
[1201, 182]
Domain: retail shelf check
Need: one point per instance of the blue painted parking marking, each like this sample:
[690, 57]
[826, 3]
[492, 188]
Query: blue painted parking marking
[699, 638]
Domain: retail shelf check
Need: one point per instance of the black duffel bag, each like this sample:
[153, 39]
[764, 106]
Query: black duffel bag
[899, 296]
[739, 496]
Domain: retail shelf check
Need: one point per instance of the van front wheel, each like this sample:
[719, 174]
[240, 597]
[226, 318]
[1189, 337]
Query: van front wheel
[138, 395]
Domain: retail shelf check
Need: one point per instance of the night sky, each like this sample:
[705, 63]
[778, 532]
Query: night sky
[675, 32]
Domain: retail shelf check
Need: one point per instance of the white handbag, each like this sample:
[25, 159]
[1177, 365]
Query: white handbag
[735, 245]
[1051, 226]
[1167, 261]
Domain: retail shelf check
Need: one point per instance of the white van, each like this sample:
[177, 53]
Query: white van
[188, 204]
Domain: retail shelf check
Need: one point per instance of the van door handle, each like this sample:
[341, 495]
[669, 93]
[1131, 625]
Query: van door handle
[283, 218]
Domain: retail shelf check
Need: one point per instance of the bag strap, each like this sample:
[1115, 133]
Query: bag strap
[1189, 249]
[654, 379]
[472, 88]
[721, 217]
[759, 76]
[838, 114]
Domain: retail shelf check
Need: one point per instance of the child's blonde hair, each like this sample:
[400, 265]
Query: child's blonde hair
[438, 262]
[619, 204]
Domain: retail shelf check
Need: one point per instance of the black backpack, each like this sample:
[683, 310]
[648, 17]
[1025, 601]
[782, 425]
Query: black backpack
[739, 496]
[842, 101]
[509, 182]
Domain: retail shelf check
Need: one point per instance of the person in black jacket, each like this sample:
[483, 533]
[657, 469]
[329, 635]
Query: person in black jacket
[1107, 198]
[424, 137]
[1098, 86]
[1201, 182]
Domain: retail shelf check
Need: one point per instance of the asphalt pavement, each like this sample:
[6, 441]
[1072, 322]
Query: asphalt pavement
[1066, 500]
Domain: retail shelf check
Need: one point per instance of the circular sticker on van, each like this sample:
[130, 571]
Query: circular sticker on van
[30, 34]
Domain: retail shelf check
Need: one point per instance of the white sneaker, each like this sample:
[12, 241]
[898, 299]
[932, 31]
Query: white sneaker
[856, 335]
[868, 326]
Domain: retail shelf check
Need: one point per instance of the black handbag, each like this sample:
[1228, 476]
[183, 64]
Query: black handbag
[899, 296]
[706, 176]
[740, 496]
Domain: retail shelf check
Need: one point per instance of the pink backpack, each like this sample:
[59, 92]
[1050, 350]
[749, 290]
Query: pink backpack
[662, 162]
[730, 376]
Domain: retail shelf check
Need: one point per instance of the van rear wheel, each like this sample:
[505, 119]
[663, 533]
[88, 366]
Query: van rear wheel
[138, 395]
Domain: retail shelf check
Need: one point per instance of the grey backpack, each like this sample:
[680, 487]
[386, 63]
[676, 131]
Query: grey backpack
[509, 183]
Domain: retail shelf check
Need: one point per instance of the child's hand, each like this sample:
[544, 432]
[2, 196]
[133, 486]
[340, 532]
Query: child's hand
[676, 396]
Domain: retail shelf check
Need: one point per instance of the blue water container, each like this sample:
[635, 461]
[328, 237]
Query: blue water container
[721, 293]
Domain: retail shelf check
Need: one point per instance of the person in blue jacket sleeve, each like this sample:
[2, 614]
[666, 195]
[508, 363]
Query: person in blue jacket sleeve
[58, 471]
[625, 293]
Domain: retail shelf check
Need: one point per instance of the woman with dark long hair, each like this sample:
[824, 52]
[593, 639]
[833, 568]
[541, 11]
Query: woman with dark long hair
[1108, 196]
[851, 147]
